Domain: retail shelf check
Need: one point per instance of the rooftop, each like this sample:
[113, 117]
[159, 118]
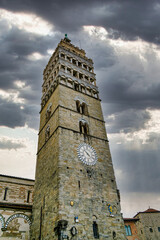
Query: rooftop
[149, 210]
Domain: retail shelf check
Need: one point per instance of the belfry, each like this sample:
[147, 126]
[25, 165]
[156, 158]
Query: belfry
[75, 194]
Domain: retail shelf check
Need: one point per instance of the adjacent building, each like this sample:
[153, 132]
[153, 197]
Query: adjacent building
[144, 225]
[16, 198]
[149, 224]
[131, 228]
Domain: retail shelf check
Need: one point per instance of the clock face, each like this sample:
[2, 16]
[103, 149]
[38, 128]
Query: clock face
[87, 154]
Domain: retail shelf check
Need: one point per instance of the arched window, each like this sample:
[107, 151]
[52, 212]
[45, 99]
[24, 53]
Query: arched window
[78, 105]
[81, 106]
[80, 127]
[83, 127]
[86, 128]
[84, 108]
[48, 112]
[47, 133]
[114, 234]
[128, 230]
[76, 86]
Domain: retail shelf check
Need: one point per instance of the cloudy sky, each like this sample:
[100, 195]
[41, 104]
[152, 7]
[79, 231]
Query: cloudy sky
[123, 39]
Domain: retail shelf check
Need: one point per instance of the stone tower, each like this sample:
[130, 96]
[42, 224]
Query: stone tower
[75, 195]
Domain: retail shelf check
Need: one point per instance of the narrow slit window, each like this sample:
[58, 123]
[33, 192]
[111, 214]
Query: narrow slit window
[79, 184]
[78, 106]
[95, 230]
[5, 193]
[28, 196]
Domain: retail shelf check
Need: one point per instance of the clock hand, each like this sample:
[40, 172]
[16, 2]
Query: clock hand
[87, 153]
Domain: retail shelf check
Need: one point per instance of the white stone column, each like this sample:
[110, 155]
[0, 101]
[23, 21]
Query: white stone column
[72, 72]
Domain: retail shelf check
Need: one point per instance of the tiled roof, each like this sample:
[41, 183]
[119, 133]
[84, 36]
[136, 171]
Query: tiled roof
[149, 210]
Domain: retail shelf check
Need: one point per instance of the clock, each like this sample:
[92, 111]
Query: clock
[87, 154]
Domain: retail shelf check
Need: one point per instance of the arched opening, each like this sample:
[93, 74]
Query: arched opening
[83, 127]
[86, 128]
[114, 234]
[84, 108]
[78, 105]
[47, 133]
[20, 223]
[76, 87]
[95, 230]
[48, 112]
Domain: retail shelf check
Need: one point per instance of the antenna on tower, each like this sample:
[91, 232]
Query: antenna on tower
[80, 44]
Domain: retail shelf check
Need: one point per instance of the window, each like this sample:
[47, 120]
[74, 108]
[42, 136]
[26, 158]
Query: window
[48, 112]
[84, 108]
[80, 76]
[74, 61]
[95, 230]
[83, 126]
[78, 105]
[63, 67]
[5, 193]
[114, 234]
[76, 87]
[81, 107]
[68, 58]
[68, 70]
[150, 229]
[85, 66]
[79, 64]
[158, 229]
[86, 77]
[74, 73]
[128, 230]
[62, 55]
[28, 196]
[47, 133]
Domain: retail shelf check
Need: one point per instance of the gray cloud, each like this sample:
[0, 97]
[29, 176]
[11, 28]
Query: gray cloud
[139, 167]
[128, 121]
[13, 116]
[127, 20]
[10, 144]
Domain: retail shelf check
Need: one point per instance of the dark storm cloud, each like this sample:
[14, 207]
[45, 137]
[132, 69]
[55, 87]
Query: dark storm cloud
[123, 19]
[15, 46]
[13, 116]
[10, 144]
[139, 168]
[128, 121]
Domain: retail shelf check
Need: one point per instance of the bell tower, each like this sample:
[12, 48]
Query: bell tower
[75, 195]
